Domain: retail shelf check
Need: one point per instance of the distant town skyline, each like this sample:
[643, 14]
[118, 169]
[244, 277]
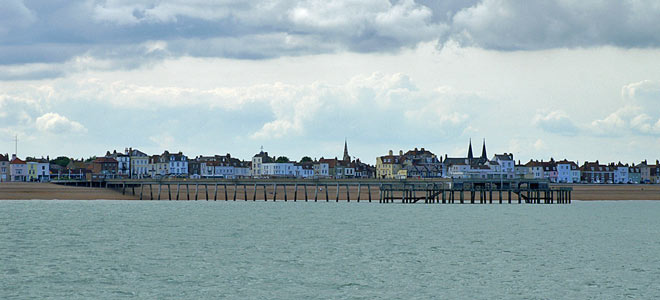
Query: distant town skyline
[538, 79]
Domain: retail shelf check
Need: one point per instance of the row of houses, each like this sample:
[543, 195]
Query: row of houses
[265, 166]
[421, 163]
[415, 163]
[30, 169]
[132, 163]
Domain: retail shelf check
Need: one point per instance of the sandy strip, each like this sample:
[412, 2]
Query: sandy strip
[48, 191]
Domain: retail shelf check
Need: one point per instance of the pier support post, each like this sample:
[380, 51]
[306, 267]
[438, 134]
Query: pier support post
[326, 194]
[337, 194]
[141, 190]
[274, 192]
[305, 188]
[316, 192]
[285, 188]
[159, 190]
[369, 191]
[187, 192]
[206, 191]
[404, 194]
[151, 191]
[265, 193]
[169, 192]
[215, 195]
[254, 195]
[348, 195]
[380, 193]
[358, 197]
[178, 185]
[295, 192]
[245, 198]
[235, 190]
[224, 187]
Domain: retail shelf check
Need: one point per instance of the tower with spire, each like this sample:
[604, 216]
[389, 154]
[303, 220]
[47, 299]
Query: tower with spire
[346, 156]
[483, 151]
[469, 155]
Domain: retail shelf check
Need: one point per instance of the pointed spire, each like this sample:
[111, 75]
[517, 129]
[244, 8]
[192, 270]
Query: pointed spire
[470, 156]
[346, 156]
[483, 150]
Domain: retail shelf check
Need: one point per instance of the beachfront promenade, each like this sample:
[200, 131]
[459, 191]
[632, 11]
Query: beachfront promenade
[429, 191]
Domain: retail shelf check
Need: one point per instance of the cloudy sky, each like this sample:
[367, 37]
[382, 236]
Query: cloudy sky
[541, 79]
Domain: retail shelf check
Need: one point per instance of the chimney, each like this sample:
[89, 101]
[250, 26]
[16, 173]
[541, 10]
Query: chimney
[391, 153]
[400, 152]
[13, 156]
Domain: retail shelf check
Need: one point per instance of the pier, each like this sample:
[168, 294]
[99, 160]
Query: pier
[436, 191]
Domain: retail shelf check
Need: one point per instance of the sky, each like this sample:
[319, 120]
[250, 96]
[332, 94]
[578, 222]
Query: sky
[540, 79]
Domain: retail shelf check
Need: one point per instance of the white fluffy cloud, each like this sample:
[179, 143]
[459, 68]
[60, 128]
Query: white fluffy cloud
[57, 124]
[556, 121]
[370, 106]
[645, 90]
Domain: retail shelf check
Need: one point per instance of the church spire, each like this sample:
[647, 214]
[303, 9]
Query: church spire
[470, 156]
[483, 150]
[346, 156]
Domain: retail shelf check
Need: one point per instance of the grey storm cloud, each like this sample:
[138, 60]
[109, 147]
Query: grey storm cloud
[55, 31]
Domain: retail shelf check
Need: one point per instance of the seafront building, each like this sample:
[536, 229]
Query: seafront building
[139, 162]
[177, 163]
[17, 169]
[543, 170]
[595, 172]
[123, 163]
[568, 172]
[257, 163]
[105, 166]
[218, 166]
[38, 169]
[4, 168]
[634, 175]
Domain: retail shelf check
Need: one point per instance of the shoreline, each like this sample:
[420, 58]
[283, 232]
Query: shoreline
[49, 191]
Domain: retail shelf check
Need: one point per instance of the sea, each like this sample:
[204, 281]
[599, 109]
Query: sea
[297, 250]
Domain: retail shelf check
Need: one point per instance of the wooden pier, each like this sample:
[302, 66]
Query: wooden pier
[437, 191]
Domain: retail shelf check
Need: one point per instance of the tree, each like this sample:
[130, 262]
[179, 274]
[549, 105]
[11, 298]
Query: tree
[282, 159]
[306, 159]
[61, 161]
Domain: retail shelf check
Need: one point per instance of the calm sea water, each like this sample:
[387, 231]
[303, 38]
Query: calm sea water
[246, 250]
